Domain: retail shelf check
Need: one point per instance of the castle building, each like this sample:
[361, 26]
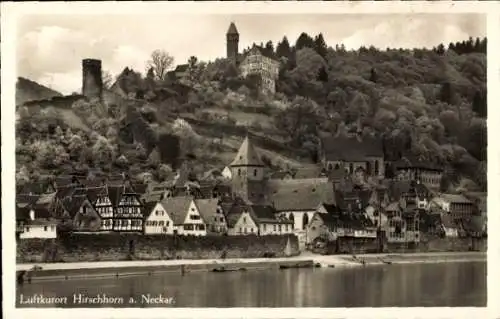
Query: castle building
[92, 86]
[232, 40]
[252, 62]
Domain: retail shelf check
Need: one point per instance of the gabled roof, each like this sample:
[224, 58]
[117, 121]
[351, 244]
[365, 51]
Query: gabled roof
[65, 191]
[234, 214]
[177, 208]
[22, 212]
[232, 29]
[247, 155]
[330, 220]
[207, 208]
[46, 199]
[42, 211]
[181, 68]
[348, 148]
[93, 193]
[148, 208]
[455, 198]
[72, 205]
[331, 208]
[266, 214]
[409, 162]
[26, 199]
[300, 194]
[139, 188]
[115, 194]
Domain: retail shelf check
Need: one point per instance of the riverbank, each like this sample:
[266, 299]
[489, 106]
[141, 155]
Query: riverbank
[85, 270]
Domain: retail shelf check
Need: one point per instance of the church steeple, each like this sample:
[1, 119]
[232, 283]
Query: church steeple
[232, 40]
[247, 155]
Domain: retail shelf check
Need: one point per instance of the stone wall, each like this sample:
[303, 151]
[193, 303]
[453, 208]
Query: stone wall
[116, 247]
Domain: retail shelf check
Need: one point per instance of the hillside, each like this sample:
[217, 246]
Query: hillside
[27, 90]
[426, 104]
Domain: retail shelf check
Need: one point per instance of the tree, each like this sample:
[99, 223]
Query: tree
[107, 80]
[268, 50]
[160, 62]
[304, 41]
[373, 75]
[479, 104]
[320, 45]
[283, 48]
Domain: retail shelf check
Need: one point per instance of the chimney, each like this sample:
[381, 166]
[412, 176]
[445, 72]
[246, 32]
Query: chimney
[92, 79]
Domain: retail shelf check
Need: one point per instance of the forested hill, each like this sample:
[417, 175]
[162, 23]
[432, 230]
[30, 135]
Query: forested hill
[27, 90]
[424, 103]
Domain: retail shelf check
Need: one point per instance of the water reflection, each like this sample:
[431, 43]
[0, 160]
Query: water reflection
[438, 285]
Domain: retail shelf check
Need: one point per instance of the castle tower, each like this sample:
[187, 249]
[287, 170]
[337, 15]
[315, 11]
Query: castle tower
[91, 78]
[248, 173]
[232, 39]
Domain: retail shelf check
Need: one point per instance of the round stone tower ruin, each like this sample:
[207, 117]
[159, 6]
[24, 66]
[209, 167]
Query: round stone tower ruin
[92, 78]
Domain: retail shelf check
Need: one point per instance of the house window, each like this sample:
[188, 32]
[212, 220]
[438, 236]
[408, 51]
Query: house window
[194, 217]
[244, 219]
[305, 221]
[251, 230]
[330, 166]
[274, 227]
[264, 227]
[255, 172]
[45, 228]
[239, 171]
[351, 168]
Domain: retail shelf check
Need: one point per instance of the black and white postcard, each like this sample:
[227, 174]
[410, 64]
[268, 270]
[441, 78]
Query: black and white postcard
[265, 159]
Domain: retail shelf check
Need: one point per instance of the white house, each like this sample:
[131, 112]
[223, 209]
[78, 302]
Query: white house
[35, 223]
[158, 221]
[258, 220]
[185, 215]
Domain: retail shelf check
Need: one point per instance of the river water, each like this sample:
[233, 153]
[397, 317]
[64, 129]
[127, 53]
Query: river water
[460, 284]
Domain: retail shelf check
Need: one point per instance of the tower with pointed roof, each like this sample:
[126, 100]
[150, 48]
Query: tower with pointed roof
[248, 173]
[232, 40]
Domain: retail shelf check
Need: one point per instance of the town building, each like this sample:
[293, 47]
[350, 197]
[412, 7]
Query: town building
[253, 62]
[349, 153]
[258, 220]
[213, 216]
[185, 215]
[458, 206]
[158, 221]
[34, 221]
[79, 214]
[425, 173]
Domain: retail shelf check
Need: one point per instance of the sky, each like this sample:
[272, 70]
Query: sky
[50, 47]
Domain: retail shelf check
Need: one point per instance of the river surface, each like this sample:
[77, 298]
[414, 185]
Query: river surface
[452, 284]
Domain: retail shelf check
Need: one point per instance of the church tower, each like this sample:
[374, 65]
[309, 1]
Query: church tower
[232, 39]
[248, 173]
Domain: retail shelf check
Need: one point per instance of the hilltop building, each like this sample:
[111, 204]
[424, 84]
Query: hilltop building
[252, 62]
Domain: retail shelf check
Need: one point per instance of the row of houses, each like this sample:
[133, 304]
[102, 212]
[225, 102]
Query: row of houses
[398, 212]
[242, 199]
